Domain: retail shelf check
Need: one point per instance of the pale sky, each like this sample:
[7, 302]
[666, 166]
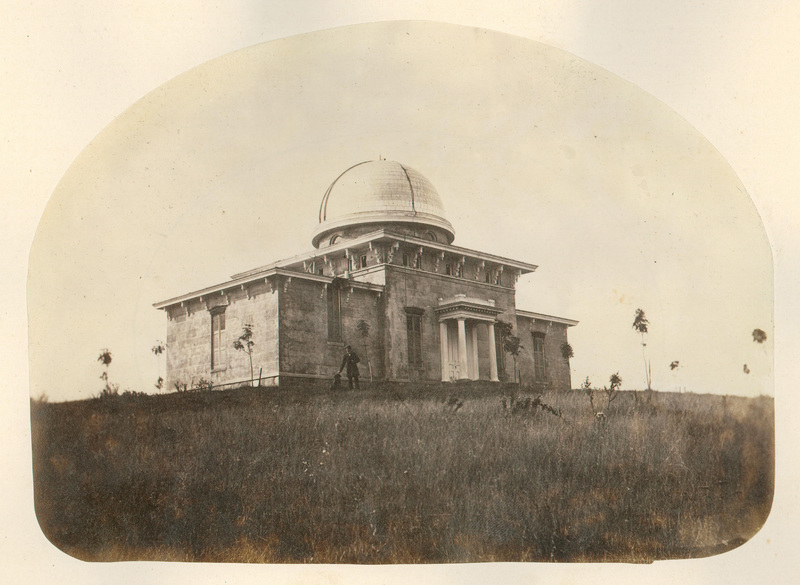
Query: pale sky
[71, 69]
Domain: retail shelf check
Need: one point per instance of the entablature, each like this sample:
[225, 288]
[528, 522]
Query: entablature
[273, 278]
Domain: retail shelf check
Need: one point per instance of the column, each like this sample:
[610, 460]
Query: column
[462, 350]
[443, 350]
[492, 354]
[475, 372]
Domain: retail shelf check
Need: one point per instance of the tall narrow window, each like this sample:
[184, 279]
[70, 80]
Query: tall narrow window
[414, 331]
[218, 353]
[538, 357]
[334, 313]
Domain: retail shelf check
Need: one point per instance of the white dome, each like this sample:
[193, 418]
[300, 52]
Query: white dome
[380, 192]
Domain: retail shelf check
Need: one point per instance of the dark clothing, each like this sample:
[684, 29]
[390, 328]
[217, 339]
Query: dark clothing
[351, 361]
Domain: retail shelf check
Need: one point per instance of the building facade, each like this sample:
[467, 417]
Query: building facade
[383, 277]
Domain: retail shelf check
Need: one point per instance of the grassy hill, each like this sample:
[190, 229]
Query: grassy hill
[401, 475]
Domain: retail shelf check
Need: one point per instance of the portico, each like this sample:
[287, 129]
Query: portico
[460, 319]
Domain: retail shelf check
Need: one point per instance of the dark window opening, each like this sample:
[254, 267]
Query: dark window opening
[414, 331]
[218, 353]
[539, 372]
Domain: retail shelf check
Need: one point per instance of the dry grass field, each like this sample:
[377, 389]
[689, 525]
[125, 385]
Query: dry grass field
[401, 475]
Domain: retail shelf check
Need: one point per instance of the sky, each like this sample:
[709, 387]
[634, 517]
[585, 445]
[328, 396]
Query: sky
[537, 155]
[69, 70]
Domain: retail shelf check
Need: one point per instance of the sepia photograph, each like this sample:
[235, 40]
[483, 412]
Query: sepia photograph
[398, 293]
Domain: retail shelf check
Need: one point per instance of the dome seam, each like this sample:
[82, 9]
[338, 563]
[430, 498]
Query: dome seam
[323, 207]
[410, 186]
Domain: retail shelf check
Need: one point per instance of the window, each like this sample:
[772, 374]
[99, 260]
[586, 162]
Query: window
[334, 313]
[320, 271]
[362, 261]
[431, 236]
[538, 357]
[218, 353]
[414, 331]
[405, 260]
[448, 270]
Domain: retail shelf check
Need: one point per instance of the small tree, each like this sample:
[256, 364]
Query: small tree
[510, 343]
[586, 386]
[640, 324]
[105, 359]
[158, 349]
[611, 392]
[363, 330]
[245, 343]
[567, 354]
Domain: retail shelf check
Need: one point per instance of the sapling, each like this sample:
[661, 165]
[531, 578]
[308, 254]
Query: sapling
[158, 349]
[105, 359]
[567, 353]
[640, 324]
[511, 343]
[586, 386]
[245, 343]
[611, 392]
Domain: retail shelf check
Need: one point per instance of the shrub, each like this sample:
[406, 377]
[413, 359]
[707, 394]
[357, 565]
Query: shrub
[203, 384]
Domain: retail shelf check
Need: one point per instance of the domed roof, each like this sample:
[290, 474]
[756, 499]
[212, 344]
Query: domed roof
[380, 192]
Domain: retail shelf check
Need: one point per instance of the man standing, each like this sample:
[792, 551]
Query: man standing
[350, 360]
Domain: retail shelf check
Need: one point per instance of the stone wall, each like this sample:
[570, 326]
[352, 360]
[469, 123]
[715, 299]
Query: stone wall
[557, 369]
[305, 348]
[408, 287]
[189, 337]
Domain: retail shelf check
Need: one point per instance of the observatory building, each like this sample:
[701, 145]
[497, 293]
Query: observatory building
[383, 277]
